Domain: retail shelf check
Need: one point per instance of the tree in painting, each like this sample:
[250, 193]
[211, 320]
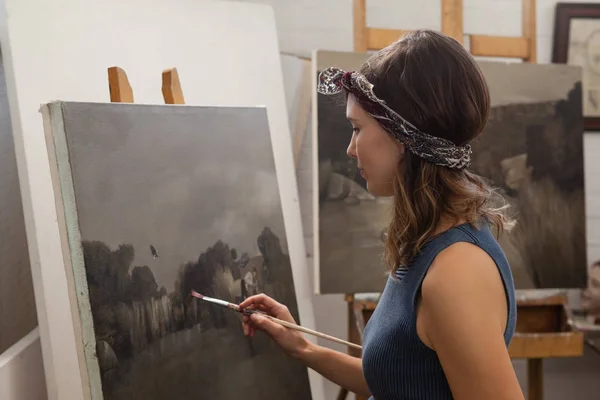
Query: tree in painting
[134, 320]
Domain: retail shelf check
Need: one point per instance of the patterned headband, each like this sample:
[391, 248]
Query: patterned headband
[438, 151]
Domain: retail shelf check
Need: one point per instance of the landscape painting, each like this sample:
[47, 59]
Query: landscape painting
[531, 152]
[159, 201]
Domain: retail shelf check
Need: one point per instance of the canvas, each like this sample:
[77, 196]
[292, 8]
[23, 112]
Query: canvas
[17, 302]
[531, 151]
[159, 201]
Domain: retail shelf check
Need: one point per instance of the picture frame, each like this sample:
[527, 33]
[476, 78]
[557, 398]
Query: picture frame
[576, 28]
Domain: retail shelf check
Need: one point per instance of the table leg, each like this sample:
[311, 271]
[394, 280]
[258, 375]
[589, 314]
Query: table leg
[535, 379]
[342, 394]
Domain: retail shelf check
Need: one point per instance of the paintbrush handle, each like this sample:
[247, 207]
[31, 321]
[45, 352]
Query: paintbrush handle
[311, 332]
[237, 308]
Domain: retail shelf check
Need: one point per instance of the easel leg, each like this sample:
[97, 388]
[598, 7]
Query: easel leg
[343, 393]
[353, 334]
[121, 91]
[119, 87]
[171, 87]
[353, 337]
[535, 379]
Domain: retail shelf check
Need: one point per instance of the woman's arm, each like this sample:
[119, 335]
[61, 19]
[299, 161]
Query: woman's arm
[342, 369]
[464, 311]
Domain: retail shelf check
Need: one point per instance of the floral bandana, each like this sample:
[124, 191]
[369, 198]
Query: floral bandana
[436, 150]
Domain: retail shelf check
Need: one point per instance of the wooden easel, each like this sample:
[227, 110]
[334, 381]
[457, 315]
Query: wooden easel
[121, 91]
[544, 327]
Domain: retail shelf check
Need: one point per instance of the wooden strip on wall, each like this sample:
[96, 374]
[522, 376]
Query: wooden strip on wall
[359, 20]
[452, 19]
[499, 46]
[529, 29]
[379, 38]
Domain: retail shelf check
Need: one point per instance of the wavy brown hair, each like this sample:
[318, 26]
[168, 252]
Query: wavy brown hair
[432, 81]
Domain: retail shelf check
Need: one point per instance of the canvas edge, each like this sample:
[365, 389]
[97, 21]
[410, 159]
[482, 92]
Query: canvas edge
[315, 175]
[71, 247]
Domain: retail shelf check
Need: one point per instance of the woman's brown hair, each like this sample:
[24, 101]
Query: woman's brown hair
[433, 82]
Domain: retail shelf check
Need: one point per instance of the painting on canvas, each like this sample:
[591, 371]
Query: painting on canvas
[17, 302]
[531, 151]
[160, 201]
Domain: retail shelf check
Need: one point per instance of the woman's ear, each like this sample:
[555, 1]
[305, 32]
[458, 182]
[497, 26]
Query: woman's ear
[401, 151]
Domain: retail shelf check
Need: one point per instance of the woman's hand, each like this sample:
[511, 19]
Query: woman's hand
[340, 368]
[291, 341]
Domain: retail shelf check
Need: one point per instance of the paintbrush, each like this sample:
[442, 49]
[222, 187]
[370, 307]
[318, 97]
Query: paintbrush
[247, 311]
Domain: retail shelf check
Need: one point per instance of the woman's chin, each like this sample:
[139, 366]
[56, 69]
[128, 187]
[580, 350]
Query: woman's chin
[380, 190]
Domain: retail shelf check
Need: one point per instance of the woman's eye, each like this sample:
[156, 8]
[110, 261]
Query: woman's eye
[355, 130]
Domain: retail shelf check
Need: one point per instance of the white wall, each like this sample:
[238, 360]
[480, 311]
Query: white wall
[304, 25]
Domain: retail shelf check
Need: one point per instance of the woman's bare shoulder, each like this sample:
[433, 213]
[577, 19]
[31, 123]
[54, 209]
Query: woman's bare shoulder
[463, 302]
[465, 277]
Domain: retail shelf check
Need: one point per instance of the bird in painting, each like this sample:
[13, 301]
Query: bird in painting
[154, 252]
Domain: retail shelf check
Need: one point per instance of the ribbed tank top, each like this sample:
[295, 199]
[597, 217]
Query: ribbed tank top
[397, 365]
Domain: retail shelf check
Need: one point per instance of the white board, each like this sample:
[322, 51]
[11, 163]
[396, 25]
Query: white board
[226, 53]
[21, 370]
[17, 306]
[297, 84]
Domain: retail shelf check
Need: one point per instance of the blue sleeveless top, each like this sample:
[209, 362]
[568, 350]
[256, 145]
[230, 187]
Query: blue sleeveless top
[396, 363]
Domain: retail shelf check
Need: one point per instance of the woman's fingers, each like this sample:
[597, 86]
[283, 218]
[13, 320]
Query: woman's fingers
[260, 300]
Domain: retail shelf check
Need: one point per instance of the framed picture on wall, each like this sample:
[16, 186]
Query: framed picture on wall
[577, 42]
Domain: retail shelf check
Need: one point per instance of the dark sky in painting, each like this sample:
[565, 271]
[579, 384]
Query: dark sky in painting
[519, 83]
[177, 177]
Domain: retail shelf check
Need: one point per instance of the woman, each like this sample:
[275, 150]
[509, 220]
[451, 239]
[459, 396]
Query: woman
[447, 314]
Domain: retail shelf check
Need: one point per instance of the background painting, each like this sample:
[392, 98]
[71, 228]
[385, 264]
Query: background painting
[531, 151]
[171, 199]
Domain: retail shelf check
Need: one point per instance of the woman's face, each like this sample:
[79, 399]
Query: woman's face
[376, 152]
